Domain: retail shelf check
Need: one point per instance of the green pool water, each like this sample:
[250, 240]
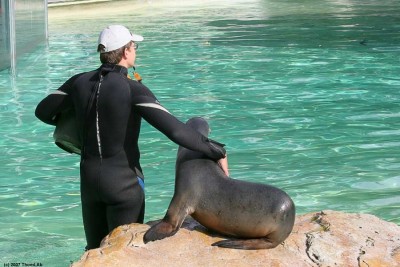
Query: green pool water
[305, 94]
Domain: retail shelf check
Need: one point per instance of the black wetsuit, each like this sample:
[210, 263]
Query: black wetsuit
[109, 108]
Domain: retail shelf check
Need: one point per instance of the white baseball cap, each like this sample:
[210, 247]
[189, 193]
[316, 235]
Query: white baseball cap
[116, 36]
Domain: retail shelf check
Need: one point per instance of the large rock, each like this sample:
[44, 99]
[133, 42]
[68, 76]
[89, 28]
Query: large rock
[327, 238]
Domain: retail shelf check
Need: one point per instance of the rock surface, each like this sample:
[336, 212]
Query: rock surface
[327, 238]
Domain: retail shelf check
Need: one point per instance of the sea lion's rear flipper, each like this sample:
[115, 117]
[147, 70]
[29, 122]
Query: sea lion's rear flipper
[249, 244]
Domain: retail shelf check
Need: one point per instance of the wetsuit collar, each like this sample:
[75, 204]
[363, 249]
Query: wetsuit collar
[107, 67]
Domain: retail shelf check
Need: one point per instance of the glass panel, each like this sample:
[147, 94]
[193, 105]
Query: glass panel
[28, 30]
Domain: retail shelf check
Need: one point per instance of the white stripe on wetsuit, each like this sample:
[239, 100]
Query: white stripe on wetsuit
[152, 105]
[58, 92]
[97, 118]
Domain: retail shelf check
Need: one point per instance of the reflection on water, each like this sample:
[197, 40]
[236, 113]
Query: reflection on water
[305, 95]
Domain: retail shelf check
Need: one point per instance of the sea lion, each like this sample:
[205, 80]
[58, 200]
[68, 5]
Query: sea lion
[260, 216]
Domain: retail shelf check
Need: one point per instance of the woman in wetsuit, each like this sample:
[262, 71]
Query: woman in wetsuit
[109, 108]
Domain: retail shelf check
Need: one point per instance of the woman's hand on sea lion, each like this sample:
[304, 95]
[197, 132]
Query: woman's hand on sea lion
[223, 163]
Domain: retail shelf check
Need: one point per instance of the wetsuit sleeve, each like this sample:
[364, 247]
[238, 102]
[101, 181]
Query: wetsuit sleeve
[150, 109]
[59, 100]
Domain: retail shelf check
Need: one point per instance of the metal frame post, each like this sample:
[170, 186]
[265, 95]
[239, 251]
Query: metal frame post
[13, 40]
[46, 19]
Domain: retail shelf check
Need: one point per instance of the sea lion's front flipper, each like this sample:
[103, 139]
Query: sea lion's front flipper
[249, 244]
[159, 231]
[170, 224]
